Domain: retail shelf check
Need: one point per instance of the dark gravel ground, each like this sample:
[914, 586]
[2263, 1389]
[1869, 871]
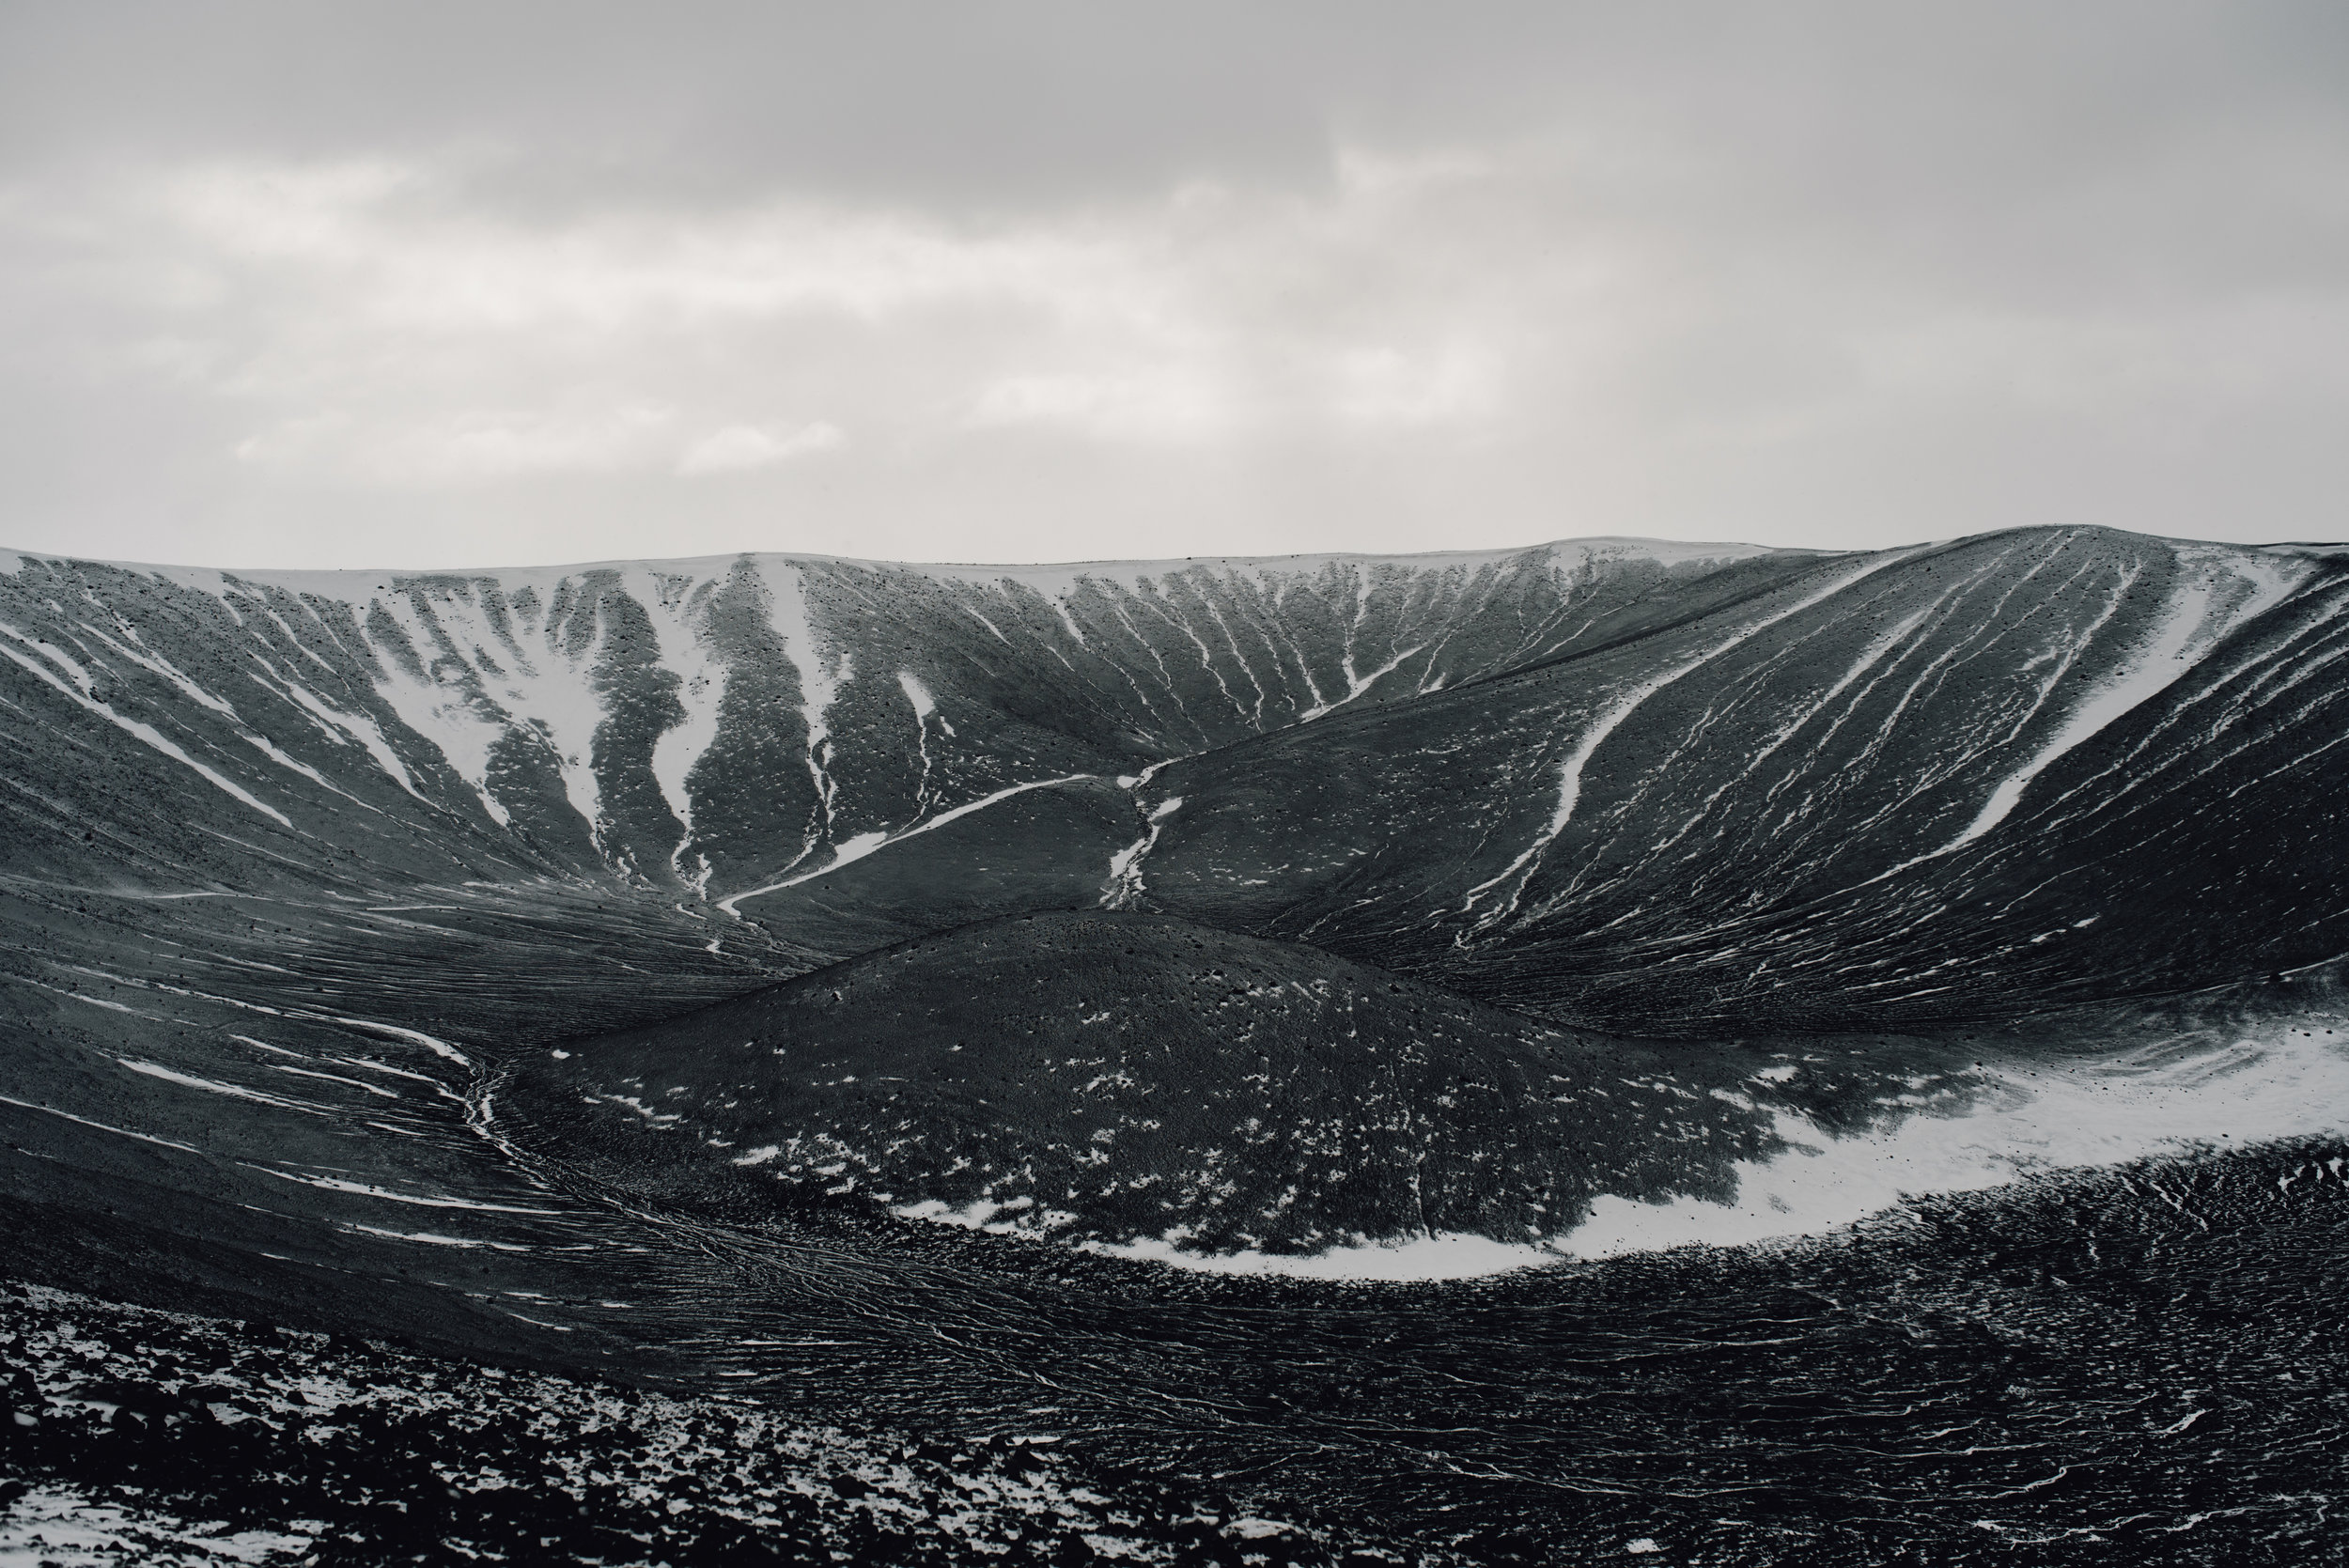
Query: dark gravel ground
[141, 1436]
[2135, 1367]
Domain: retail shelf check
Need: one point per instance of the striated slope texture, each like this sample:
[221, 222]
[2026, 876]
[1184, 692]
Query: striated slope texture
[609, 970]
[291, 864]
[1704, 792]
[1964, 781]
[719, 726]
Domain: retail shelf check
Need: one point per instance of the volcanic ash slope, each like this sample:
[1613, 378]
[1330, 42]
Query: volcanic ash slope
[1118, 1077]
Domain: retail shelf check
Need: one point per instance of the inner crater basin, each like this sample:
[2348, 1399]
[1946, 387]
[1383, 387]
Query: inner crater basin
[1605, 1050]
[1120, 1079]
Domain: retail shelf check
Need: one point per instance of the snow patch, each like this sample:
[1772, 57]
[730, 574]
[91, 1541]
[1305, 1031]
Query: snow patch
[425, 1200]
[701, 682]
[2144, 1103]
[1613, 717]
[2199, 615]
[80, 694]
[864, 844]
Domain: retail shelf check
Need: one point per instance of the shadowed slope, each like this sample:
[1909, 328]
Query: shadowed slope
[718, 725]
[1968, 781]
[302, 877]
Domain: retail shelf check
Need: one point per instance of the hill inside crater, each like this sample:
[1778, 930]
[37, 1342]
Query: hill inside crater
[1120, 1078]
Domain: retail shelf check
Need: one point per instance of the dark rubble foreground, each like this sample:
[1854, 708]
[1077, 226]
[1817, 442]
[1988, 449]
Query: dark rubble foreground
[131, 1434]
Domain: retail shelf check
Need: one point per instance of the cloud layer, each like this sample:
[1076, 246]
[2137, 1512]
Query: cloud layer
[1383, 288]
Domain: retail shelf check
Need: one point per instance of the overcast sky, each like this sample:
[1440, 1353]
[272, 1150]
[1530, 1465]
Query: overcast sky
[418, 283]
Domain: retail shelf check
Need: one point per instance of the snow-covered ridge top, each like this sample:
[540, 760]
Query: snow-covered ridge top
[338, 581]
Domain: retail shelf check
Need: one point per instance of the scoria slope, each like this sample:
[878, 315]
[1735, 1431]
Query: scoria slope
[1955, 782]
[291, 863]
[305, 880]
[714, 728]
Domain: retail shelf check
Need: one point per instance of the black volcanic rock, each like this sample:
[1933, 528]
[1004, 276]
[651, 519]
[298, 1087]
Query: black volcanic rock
[1962, 782]
[1044, 849]
[1335, 865]
[310, 1450]
[721, 723]
[1110, 1077]
[1653, 788]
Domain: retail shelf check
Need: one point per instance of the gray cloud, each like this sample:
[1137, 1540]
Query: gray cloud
[439, 284]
